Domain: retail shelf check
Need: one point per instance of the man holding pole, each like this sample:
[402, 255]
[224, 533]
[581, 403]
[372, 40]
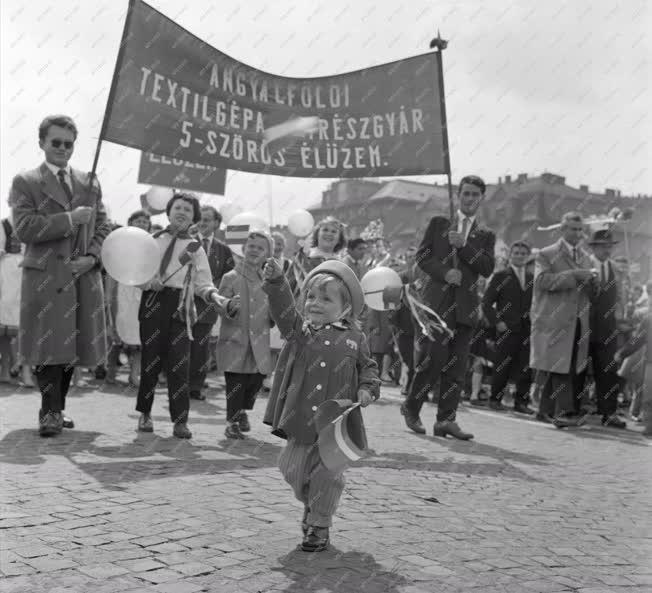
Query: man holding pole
[59, 215]
[453, 253]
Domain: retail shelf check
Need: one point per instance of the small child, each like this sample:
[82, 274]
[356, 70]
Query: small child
[325, 356]
[243, 351]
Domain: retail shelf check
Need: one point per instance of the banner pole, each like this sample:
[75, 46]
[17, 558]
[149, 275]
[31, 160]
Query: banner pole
[112, 89]
[439, 45]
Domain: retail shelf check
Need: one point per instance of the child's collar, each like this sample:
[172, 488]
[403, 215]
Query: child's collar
[309, 327]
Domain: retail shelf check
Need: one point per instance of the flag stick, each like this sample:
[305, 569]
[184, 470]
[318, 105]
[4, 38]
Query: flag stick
[112, 90]
[439, 45]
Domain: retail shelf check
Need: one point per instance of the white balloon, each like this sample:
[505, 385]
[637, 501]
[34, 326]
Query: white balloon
[300, 223]
[239, 228]
[228, 210]
[158, 197]
[374, 282]
[131, 255]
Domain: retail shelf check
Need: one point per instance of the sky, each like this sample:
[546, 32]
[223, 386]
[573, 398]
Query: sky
[531, 86]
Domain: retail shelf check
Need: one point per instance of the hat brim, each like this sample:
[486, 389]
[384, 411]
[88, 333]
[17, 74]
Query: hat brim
[346, 275]
[603, 242]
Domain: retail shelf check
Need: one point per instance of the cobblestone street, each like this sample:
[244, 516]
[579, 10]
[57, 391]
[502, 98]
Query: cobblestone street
[522, 508]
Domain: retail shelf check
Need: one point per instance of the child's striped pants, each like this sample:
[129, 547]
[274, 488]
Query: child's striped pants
[313, 483]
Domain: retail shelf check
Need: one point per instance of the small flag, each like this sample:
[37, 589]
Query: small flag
[236, 234]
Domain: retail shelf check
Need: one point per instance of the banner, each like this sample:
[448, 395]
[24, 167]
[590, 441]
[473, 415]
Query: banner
[177, 96]
[165, 171]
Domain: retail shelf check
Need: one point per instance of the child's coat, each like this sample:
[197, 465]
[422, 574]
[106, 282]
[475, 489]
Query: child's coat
[314, 365]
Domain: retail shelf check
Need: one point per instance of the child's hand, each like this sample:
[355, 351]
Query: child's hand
[272, 270]
[233, 308]
[364, 397]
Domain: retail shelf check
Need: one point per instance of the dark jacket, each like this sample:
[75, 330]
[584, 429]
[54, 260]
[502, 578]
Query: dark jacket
[505, 300]
[220, 259]
[603, 316]
[455, 304]
[313, 366]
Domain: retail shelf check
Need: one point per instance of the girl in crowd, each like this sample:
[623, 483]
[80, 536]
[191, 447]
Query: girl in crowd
[328, 238]
[167, 313]
[123, 303]
[10, 275]
[325, 356]
[243, 351]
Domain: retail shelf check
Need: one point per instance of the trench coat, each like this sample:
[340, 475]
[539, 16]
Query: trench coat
[250, 326]
[62, 318]
[557, 301]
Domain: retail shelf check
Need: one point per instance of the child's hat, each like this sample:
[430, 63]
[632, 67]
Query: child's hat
[342, 439]
[346, 275]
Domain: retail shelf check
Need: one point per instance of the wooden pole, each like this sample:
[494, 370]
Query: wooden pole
[439, 45]
[112, 90]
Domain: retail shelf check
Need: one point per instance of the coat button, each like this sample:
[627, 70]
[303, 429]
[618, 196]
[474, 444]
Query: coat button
[322, 364]
[59, 290]
[328, 327]
[327, 342]
[318, 388]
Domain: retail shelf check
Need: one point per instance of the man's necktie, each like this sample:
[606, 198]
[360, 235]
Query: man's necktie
[465, 228]
[605, 273]
[61, 174]
[575, 255]
[206, 244]
[521, 278]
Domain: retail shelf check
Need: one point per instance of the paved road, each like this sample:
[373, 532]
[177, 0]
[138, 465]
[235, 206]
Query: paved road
[523, 508]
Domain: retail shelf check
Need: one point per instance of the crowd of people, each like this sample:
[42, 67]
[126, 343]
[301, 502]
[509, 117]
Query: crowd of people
[560, 326]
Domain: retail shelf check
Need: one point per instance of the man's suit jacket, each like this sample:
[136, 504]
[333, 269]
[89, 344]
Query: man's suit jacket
[605, 311]
[220, 259]
[455, 304]
[505, 300]
[557, 302]
[62, 317]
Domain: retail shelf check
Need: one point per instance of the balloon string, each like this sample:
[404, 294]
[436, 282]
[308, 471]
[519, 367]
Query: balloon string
[439, 325]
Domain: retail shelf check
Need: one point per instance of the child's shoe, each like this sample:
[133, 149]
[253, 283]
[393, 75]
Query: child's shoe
[316, 540]
[243, 422]
[233, 431]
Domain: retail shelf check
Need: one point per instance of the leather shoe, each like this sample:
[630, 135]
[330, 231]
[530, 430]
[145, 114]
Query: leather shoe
[145, 423]
[316, 540]
[412, 422]
[496, 406]
[181, 431]
[67, 422]
[570, 421]
[478, 403]
[232, 431]
[544, 418]
[50, 424]
[523, 409]
[442, 429]
[613, 421]
[198, 395]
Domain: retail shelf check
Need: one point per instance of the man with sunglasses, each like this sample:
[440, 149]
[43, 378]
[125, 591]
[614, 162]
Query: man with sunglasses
[59, 215]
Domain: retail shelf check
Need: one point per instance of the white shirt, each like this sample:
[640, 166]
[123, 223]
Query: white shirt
[67, 173]
[68, 177]
[203, 281]
[460, 223]
[571, 248]
[520, 274]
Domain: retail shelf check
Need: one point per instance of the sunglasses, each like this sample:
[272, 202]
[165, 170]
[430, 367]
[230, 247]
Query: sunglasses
[66, 143]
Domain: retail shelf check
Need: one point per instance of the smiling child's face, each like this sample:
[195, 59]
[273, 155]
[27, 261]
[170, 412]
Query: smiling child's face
[324, 302]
